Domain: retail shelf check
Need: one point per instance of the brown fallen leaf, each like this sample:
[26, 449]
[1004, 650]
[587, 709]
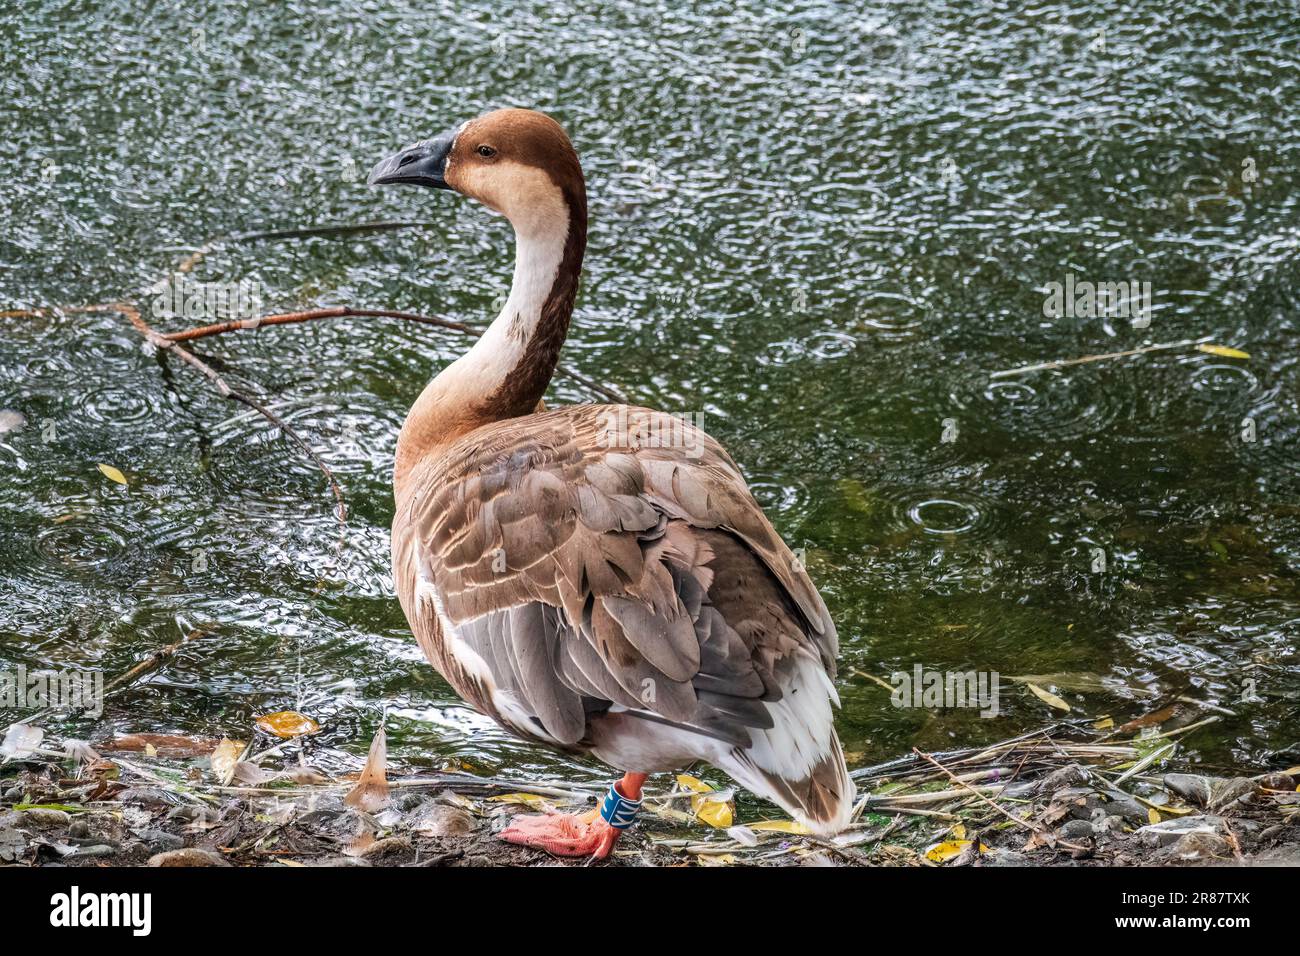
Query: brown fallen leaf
[249, 773]
[1153, 719]
[436, 819]
[287, 724]
[371, 792]
[369, 848]
[304, 774]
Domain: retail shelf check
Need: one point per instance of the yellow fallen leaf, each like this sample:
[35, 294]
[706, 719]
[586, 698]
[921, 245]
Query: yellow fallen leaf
[693, 784]
[1153, 815]
[780, 826]
[1223, 351]
[959, 831]
[714, 812]
[150, 750]
[287, 724]
[949, 850]
[1104, 724]
[709, 809]
[1048, 698]
[112, 474]
[1166, 809]
[224, 758]
[527, 799]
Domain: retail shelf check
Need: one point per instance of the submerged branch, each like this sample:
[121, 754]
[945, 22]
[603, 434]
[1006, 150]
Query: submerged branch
[225, 391]
[1084, 359]
[311, 315]
[289, 318]
[170, 342]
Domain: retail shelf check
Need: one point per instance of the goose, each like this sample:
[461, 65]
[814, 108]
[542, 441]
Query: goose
[597, 579]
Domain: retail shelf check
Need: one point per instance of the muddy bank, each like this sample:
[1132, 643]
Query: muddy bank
[1059, 797]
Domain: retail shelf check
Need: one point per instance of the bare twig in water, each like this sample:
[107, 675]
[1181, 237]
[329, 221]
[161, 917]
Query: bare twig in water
[152, 662]
[288, 318]
[1084, 359]
[170, 342]
[311, 315]
[225, 391]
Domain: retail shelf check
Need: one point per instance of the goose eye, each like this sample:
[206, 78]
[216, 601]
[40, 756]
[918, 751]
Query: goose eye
[486, 151]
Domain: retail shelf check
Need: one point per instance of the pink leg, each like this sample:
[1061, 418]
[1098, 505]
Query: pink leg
[572, 834]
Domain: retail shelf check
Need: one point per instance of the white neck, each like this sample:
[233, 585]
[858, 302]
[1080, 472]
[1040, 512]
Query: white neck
[485, 367]
[454, 402]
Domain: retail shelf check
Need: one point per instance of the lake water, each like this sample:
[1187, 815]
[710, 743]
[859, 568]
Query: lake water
[821, 227]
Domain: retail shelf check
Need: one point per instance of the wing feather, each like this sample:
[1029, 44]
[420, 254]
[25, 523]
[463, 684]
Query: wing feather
[582, 576]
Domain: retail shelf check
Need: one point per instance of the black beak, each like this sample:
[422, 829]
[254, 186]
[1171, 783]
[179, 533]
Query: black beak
[421, 165]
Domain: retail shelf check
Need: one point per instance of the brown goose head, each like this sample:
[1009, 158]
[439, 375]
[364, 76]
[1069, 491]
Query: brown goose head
[517, 162]
[521, 164]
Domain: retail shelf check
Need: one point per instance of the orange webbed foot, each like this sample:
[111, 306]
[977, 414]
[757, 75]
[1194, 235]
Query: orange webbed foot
[563, 834]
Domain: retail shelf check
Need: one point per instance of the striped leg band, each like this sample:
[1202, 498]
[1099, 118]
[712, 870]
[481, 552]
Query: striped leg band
[617, 810]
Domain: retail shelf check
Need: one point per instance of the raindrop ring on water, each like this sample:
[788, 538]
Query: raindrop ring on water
[944, 516]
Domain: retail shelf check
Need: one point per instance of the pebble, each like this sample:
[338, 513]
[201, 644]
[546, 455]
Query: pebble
[1001, 857]
[1210, 793]
[1278, 781]
[1171, 831]
[1076, 830]
[1126, 807]
[1071, 775]
[160, 840]
[1197, 846]
[408, 801]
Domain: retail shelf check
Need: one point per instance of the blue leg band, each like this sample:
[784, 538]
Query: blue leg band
[617, 810]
